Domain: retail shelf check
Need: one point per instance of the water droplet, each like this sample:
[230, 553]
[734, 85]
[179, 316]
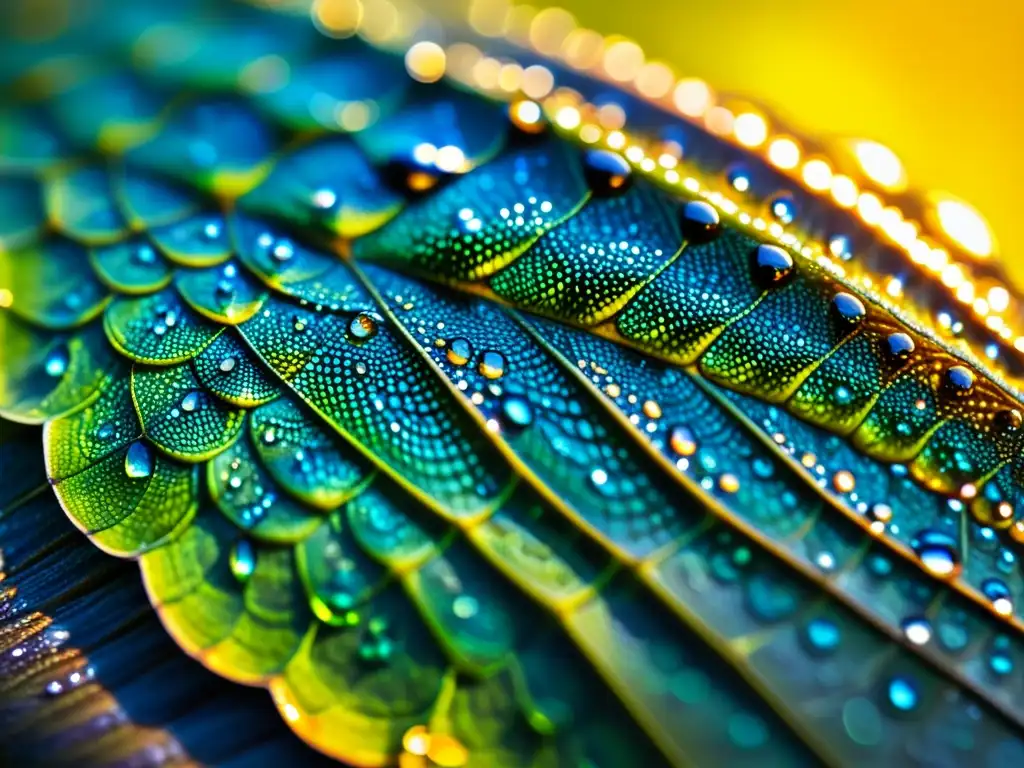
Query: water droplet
[899, 345]
[683, 441]
[57, 361]
[599, 477]
[607, 173]
[324, 199]
[492, 365]
[938, 553]
[106, 431]
[282, 250]
[822, 636]
[960, 380]
[517, 410]
[190, 402]
[227, 365]
[407, 175]
[844, 481]
[699, 222]
[1009, 419]
[242, 560]
[902, 694]
[144, 254]
[772, 264]
[783, 209]
[848, 308]
[364, 326]
[917, 630]
[459, 351]
[999, 593]
[138, 461]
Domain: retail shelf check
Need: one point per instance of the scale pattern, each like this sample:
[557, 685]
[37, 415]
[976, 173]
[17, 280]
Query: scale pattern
[502, 464]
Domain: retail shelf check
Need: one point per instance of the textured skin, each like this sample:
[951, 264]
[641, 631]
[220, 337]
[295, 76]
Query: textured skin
[507, 459]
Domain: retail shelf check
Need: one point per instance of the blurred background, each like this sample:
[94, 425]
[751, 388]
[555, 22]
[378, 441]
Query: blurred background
[941, 82]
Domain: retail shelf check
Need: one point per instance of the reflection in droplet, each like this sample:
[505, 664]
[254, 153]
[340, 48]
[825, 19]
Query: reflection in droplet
[459, 351]
[364, 326]
[938, 553]
[492, 365]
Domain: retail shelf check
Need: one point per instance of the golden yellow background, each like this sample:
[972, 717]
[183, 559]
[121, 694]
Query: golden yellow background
[941, 82]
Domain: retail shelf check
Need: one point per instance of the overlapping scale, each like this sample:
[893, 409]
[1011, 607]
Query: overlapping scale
[179, 416]
[228, 600]
[22, 216]
[485, 219]
[223, 293]
[131, 266]
[157, 329]
[229, 370]
[81, 203]
[52, 284]
[328, 184]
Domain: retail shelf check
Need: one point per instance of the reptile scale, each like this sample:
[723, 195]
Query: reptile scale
[396, 392]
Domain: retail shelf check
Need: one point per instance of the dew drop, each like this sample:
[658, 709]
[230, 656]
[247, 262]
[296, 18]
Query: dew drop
[699, 221]
[938, 553]
[57, 361]
[739, 178]
[772, 264]
[282, 250]
[839, 246]
[822, 636]
[190, 402]
[902, 694]
[517, 410]
[465, 607]
[227, 365]
[683, 441]
[364, 326]
[960, 380]
[492, 365]
[899, 345]
[138, 461]
[999, 593]
[459, 351]
[848, 308]
[242, 560]
[144, 254]
[607, 173]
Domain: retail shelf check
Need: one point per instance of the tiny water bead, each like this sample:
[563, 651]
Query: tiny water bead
[822, 636]
[917, 630]
[699, 222]
[138, 461]
[227, 365]
[144, 254]
[190, 402]
[459, 351]
[364, 326]
[902, 694]
[772, 264]
[739, 178]
[959, 380]
[242, 560]
[492, 365]
[848, 308]
[899, 345]
[57, 361]
[999, 593]
[938, 553]
[607, 173]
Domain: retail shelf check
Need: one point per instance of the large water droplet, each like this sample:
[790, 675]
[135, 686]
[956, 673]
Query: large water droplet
[899, 345]
[699, 222]
[227, 365]
[960, 380]
[848, 308]
[772, 264]
[607, 173]
[190, 402]
[364, 326]
[1009, 419]
[683, 441]
[459, 351]
[938, 553]
[492, 365]
[138, 462]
